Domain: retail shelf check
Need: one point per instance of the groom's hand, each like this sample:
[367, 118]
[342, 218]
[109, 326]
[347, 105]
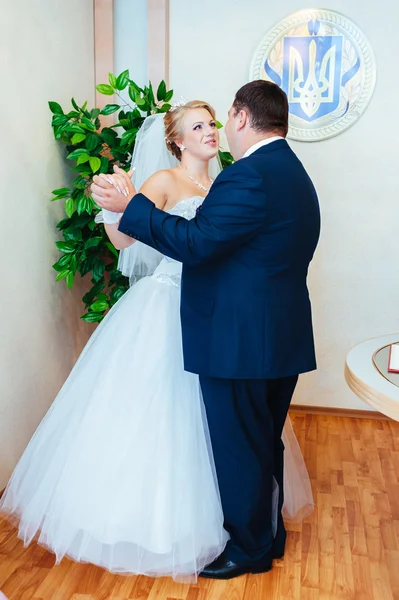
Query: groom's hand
[113, 192]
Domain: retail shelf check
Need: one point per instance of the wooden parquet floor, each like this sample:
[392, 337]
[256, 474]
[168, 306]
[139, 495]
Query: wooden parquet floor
[347, 549]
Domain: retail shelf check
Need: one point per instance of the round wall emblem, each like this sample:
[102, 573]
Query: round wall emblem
[325, 65]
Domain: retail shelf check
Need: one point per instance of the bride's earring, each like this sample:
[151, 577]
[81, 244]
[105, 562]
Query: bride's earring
[182, 148]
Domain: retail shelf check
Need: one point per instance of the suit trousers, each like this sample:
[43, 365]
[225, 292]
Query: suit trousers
[246, 418]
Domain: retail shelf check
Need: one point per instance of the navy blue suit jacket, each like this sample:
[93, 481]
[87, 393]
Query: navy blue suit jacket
[245, 307]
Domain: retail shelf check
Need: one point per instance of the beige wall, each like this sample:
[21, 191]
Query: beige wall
[46, 53]
[354, 278]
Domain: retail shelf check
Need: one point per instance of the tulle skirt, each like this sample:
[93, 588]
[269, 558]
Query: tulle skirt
[120, 472]
[298, 496]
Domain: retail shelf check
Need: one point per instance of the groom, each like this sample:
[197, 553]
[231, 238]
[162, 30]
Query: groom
[245, 310]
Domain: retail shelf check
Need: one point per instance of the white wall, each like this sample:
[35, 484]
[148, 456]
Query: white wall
[355, 289]
[354, 278]
[46, 54]
[130, 39]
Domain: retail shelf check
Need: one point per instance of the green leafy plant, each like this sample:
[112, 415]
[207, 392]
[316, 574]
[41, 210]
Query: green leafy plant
[86, 249]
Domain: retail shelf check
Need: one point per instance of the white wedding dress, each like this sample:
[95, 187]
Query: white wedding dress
[120, 472]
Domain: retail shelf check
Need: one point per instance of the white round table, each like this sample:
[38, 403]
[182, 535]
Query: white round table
[367, 376]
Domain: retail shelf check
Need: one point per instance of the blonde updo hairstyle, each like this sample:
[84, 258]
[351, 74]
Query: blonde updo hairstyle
[174, 124]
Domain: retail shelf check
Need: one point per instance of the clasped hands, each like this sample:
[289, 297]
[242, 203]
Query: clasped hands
[113, 192]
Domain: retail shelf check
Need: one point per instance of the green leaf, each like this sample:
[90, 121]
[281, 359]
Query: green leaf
[109, 135]
[70, 279]
[105, 89]
[116, 276]
[58, 267]
[99, 306]
[165, 107]
[161, 92]
[92, 141]
[83, 109]
[91, 294]
[61, 193]
[81, 205]
[151, 95]
[219, 125]
[95, 163]
[62, 224]
[94, 113]
[73, 114]
[112, 79]
[66, 247]
[76, 153]
[59, 120]
[128, 137]
[102, 296]
[62, 262]
[84, 267]
[104, 164]
[62, 275]
[74, 263]
[87, 124]
[122, 80]
[55, 108]
[226, 159]
[120, 155]
[140, 101]
[76, 107]
[125, 123]
[169, 96]
[135, 87]
[78, 137]
[85, 204]
[78, 221]
[117, 293]
[79, 182]
[60, 135]
[93, 242]
[74, 128]
[83, 158]
[109, 109]
[98, 269]
[83, 169]
[74, 235]
[136, 114]
[92, 317]
[70, 207]
[112, 249]
[132, 93]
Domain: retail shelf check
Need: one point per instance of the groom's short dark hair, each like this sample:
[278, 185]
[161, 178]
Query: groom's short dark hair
[266, 104]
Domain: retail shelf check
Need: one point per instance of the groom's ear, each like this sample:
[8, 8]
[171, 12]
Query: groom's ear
[242, 119]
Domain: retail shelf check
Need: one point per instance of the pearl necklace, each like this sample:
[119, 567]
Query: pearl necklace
[197, 183]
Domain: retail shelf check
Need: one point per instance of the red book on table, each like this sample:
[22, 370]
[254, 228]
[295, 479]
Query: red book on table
[393, 360]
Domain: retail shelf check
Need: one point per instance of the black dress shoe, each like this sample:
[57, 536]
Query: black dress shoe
[224, 568]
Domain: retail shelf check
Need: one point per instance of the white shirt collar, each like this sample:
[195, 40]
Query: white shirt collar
[262, 143]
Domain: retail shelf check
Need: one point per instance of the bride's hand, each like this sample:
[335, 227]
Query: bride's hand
[121, 181]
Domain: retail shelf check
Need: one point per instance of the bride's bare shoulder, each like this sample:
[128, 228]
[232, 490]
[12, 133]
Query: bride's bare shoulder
[160, 186]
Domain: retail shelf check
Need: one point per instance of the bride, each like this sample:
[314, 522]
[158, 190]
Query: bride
[120, 472]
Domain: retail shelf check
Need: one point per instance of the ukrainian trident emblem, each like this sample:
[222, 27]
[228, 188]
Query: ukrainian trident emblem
[323, 63]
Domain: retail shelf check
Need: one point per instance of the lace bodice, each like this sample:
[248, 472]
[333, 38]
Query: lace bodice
[169, 270]
[187, 208]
